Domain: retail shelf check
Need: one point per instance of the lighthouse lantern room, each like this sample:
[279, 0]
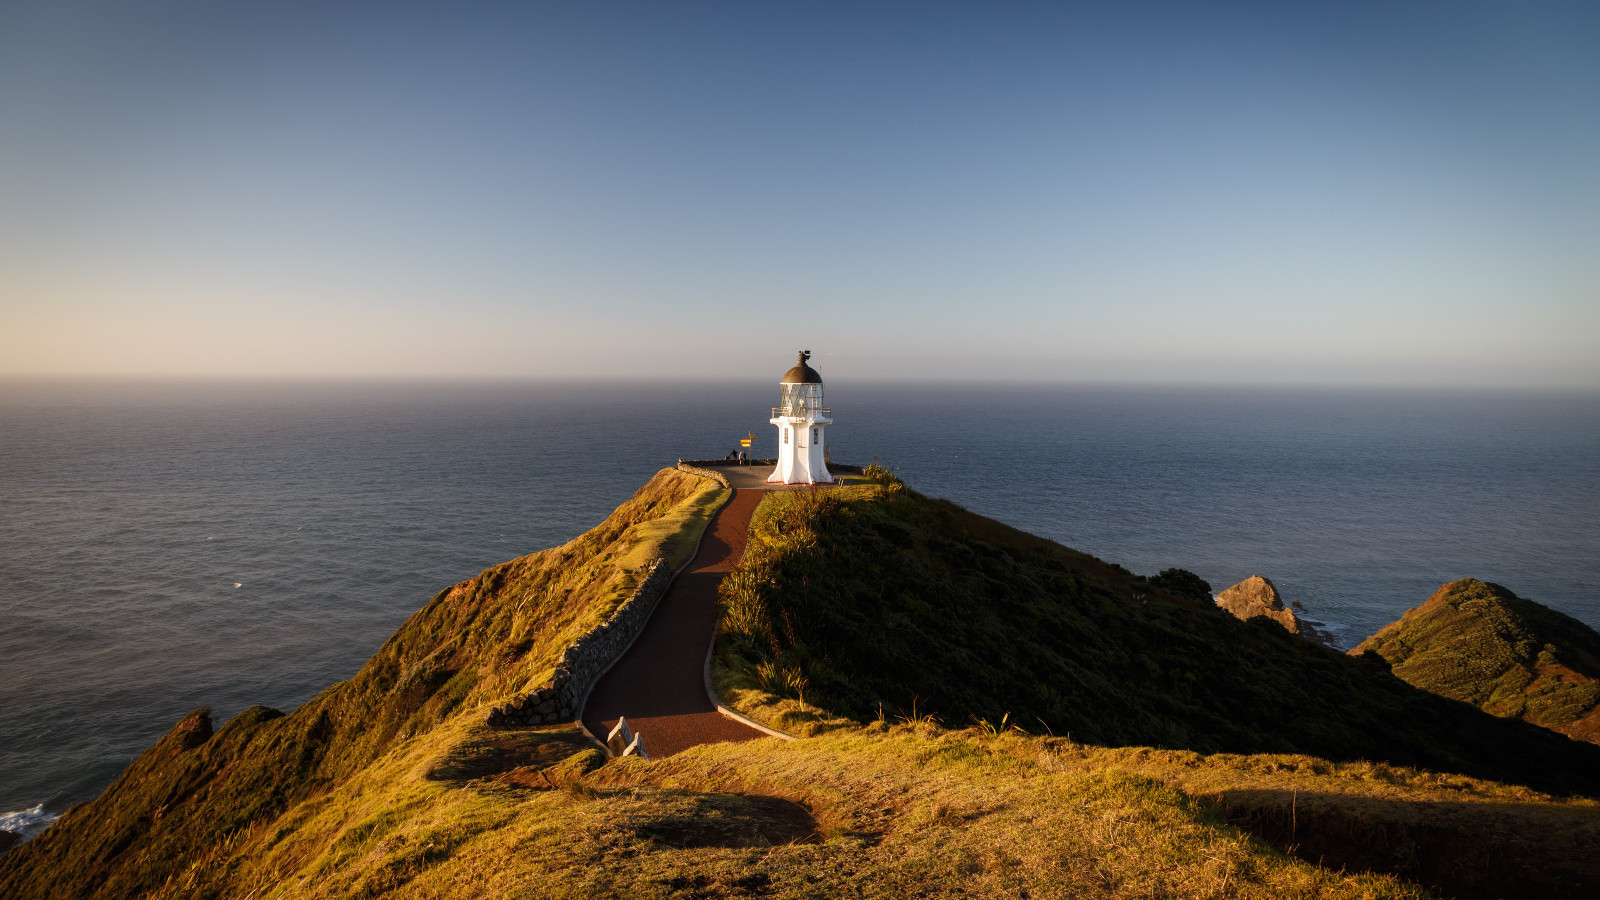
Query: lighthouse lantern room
[802, 420]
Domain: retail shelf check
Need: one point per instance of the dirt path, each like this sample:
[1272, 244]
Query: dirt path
[660, 683]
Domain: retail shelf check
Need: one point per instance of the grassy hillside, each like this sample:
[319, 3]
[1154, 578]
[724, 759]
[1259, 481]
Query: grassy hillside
[474, 644]
[890, 811]
[389, 785]
[1484, 645]
[876, 601]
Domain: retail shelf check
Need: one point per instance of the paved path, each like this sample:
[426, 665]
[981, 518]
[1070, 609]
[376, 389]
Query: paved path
[660, 683]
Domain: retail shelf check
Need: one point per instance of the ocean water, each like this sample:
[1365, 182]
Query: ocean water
[165, 546]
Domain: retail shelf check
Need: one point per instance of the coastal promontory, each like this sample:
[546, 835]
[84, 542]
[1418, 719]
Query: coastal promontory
[979, 711]
[1482, 644]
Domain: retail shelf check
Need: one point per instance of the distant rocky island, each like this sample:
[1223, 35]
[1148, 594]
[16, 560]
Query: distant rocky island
[981, 712]
[1257, 596]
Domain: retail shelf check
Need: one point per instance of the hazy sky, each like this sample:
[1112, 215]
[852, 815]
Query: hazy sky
[1265, 193]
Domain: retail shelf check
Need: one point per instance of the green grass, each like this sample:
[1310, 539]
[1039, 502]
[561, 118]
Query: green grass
[389, 785]
[1482, 644]
[675, 535]
[876, 598]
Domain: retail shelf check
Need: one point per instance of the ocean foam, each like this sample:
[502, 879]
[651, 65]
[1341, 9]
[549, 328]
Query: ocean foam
[27, 822]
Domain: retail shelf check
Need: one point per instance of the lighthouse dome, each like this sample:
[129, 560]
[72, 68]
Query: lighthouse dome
[801, 373]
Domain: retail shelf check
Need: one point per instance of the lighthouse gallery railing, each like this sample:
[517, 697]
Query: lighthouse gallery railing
[801, 411]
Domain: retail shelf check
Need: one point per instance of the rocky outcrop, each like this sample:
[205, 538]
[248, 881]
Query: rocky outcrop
[1255, 596]
[194, 730]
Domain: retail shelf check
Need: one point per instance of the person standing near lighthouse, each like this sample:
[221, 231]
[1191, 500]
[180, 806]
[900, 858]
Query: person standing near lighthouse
[802, 422]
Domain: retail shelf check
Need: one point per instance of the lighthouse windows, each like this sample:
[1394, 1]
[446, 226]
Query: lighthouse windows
[800, 399]
[802, 454]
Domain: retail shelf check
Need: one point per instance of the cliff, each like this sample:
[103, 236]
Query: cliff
[392, 784]
[1482, 644]
[473, 645]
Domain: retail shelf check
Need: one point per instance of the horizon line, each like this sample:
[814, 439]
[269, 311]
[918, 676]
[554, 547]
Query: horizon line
[288, 380]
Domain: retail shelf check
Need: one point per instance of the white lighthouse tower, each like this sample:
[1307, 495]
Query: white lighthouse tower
[801, 419]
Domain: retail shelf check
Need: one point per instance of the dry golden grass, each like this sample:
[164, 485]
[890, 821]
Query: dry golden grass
[187, 816]
[872, 812]
[420, 800]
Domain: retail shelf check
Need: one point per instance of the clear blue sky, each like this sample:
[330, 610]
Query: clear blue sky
[1384, 193]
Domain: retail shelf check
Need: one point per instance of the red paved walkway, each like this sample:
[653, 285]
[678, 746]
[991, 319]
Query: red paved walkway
[660, 683]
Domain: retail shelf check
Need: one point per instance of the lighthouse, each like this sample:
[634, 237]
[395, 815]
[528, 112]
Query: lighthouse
[801, 419]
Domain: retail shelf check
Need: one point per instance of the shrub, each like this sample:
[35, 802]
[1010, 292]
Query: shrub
[1184, 583]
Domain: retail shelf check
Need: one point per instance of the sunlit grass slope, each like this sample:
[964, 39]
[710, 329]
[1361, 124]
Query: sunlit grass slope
[875, 600]
[390, 785]
[1484, 645]
[892, 811]
[889, 813]
[474, 644]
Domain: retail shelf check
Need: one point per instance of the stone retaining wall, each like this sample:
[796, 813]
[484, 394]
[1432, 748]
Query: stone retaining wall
[691, 465]
[718, 463]
[693, 469]
[587, 658]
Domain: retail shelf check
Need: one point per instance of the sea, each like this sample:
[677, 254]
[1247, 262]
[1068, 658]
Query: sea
[171, 545]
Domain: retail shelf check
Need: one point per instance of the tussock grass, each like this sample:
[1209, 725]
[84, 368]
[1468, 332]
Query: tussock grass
[877, 599]
[877, 811]
[870, 812]
[471, 646]
[389, 786]
[674, 535]
[1482, 644]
